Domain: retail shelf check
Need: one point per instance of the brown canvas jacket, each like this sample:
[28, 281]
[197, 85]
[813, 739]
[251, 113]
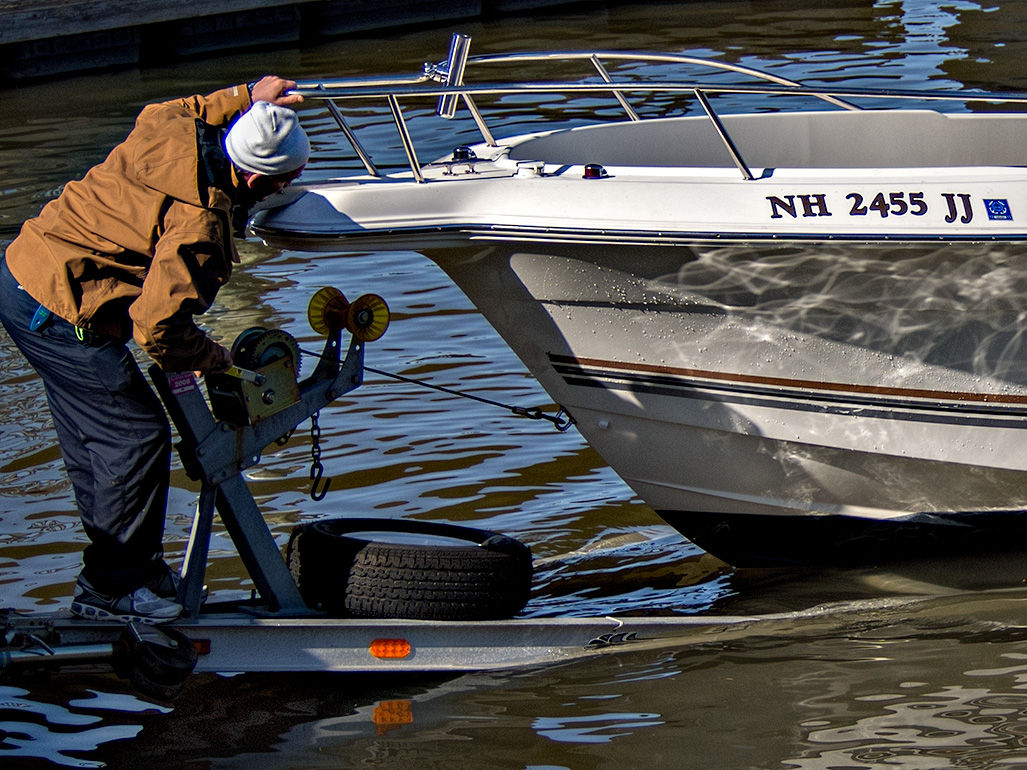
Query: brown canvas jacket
[137, 248]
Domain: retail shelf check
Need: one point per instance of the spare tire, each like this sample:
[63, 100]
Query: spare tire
[460, 574]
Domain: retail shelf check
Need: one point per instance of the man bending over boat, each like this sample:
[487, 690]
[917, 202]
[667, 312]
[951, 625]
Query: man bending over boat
[137, 248]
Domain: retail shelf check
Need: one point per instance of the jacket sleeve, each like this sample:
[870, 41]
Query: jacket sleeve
[192, 261]
[218, 109]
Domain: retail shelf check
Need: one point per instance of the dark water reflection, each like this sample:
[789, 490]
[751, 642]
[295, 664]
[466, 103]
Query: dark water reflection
[941, 688]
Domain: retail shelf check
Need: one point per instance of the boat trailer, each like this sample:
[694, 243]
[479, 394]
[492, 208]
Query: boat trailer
[281, 628]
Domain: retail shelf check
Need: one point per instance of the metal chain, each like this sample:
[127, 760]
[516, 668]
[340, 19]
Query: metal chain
[316, 467]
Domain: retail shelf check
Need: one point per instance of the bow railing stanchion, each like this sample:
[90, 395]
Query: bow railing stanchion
[404, 135]
[340, 120]
[620, 97]
[480, 121]
[725, 137]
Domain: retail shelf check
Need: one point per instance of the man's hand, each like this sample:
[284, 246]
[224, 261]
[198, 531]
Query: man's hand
[224, 364]
[272, 88]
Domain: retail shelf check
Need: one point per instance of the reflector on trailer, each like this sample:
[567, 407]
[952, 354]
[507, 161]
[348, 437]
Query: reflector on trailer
[390, 648]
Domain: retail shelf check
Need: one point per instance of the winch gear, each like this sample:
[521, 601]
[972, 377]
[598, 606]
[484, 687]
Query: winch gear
[257, 347]
[272, 354]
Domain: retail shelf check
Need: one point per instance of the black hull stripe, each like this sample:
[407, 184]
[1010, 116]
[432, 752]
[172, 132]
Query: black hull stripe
[954, 412]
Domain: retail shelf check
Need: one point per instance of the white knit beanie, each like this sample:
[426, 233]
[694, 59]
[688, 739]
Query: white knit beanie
[268, 140]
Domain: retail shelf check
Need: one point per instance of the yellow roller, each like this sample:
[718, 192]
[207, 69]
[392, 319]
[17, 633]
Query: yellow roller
[328, 311]
[368, 317]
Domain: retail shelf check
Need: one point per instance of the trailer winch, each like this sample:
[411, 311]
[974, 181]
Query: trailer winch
[273, 358]
[264, 378]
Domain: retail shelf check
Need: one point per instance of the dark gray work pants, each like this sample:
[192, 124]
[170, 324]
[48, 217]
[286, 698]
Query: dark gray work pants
[113, 434]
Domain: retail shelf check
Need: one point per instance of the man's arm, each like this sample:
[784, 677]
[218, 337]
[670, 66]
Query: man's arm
[222, 107]
[191, 264]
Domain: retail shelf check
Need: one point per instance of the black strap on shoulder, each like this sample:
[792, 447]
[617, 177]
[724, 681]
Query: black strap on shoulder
[215, 170]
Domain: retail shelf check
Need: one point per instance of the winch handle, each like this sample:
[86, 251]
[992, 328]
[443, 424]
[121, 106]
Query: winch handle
[246, 375]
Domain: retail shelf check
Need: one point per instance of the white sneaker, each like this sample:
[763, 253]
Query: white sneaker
[141, 606]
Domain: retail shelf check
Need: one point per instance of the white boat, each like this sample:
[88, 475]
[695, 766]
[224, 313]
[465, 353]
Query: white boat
[799, 335]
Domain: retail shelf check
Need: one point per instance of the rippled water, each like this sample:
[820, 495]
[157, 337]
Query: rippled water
[941, 688]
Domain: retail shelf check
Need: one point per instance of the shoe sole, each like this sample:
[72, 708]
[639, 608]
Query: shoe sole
[90, 612]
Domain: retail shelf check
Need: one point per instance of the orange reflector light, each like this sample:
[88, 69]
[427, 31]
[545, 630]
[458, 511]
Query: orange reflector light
[202, 646]
[390, 648]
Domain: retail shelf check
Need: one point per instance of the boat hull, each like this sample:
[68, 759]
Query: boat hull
[826, 394]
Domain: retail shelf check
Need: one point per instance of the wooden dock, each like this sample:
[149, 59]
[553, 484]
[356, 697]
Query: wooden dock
[47, 38]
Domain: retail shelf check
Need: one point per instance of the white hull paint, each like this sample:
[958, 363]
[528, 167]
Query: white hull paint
[868, 405]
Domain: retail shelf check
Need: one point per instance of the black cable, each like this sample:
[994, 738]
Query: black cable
[561, 420]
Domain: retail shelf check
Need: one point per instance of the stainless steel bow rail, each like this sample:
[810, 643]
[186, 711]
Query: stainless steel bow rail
[445, 81]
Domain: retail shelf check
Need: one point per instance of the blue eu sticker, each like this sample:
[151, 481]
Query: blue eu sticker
[998, 208]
